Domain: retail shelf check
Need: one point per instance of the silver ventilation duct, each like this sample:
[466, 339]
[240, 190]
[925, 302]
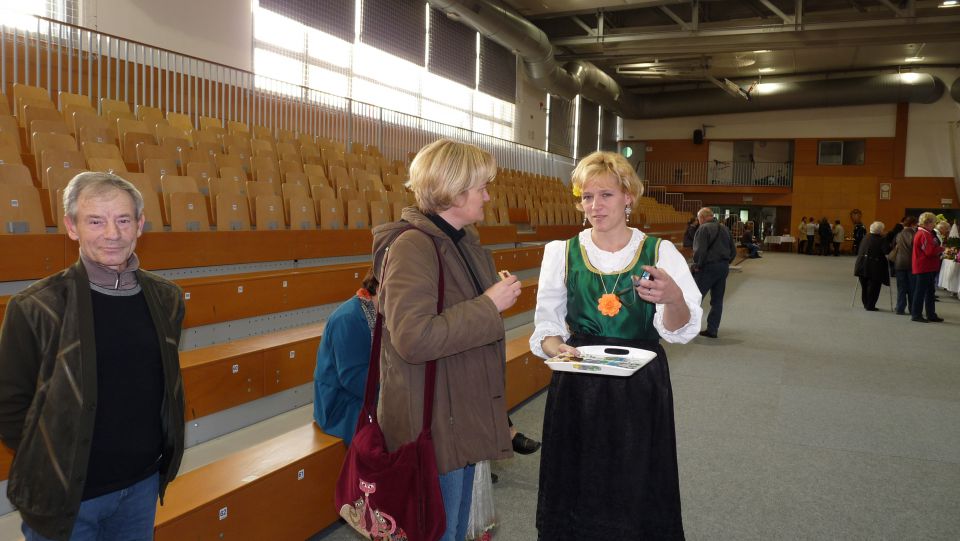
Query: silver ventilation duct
[519, 35]
[513, 31]
[955, 90]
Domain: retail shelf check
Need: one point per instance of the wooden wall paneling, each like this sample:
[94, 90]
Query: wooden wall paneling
[6, 458]
[527, 299]
[202, 300]
[899, 164]
[230, 498]
[497, 234]
[312, 244]
[288, 366]
[173, 250]
[216, 386]
[28, 257]
[324, 285]
[518, 380]
[677, 150]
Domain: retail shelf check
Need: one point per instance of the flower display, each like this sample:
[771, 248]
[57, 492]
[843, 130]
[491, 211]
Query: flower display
[609, 305]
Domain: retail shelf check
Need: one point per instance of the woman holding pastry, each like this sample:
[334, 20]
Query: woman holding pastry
[609, 459]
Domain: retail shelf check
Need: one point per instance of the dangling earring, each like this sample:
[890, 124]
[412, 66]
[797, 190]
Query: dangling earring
[627, 211]
[584, 220]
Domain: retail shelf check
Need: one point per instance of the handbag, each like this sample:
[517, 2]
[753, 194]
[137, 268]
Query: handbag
[892, 255]
[395, 495]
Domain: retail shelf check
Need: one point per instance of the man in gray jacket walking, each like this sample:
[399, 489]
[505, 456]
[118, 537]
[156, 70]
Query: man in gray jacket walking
[713, 251]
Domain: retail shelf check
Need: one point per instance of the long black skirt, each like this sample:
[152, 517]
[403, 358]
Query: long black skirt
[608, 468]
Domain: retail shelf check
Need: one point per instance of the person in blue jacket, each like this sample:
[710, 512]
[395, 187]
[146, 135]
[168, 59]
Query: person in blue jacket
[342, 362]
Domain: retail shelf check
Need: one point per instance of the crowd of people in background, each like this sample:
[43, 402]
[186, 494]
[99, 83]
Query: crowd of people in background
[830, 236]
[912, 252]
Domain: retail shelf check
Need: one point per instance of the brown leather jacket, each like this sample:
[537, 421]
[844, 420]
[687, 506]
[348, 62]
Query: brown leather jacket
[48, 392]
[467, 340]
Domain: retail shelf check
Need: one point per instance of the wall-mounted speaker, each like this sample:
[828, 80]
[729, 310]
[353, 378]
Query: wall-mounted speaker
[698, 137]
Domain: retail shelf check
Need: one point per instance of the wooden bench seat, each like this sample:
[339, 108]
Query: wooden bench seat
[261, 481]
[526, 373]
[39, 255]
[219, 377]
[279, 489]
[228, 297]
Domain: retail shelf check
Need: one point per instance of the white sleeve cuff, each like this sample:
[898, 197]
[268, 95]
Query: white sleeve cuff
[684, 334]
[542, 331]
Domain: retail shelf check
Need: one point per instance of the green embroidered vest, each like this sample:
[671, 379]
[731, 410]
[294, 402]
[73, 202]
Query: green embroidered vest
[586, 284]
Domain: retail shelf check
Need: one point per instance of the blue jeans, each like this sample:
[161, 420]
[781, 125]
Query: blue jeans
[712, 277]
[457, 489]
[124, 515]
[906, 283]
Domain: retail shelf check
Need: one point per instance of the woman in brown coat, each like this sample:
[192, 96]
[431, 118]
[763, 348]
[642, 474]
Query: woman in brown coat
[449, 181]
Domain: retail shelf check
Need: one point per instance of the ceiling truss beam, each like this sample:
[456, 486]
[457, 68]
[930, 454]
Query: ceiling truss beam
[776, 11]
[910, 10]
[894, 30]
[586, 28]
[676, 18]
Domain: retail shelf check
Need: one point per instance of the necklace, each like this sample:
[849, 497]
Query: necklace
[609, 303]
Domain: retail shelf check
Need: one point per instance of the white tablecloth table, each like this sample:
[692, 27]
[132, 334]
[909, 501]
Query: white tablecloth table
[950, 276]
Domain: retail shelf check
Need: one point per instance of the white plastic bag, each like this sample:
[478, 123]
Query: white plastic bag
[482, 515]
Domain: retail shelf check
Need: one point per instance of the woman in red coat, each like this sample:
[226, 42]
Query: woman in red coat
[926, 263]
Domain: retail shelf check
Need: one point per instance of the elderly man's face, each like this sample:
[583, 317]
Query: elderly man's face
[106, 227]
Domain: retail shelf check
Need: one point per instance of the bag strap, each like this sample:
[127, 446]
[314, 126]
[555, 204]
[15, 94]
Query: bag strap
[369, 411]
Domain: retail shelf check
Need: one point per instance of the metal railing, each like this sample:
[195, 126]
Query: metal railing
[719, 173]
[63, 57]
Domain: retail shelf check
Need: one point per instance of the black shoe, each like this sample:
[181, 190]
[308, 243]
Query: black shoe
[708, 334]
[494, 478]
[935, 319]
[524, 445]
[920, 320]
[873, 309]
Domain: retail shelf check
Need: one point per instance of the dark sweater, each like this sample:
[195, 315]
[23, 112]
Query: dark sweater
[127, 435]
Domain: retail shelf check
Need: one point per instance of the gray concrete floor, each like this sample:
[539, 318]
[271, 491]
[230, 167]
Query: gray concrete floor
[806, 419]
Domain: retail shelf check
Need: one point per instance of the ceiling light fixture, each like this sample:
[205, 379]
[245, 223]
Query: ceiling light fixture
[762, 51]
[767, 70]
[949, 4]
[913, 59]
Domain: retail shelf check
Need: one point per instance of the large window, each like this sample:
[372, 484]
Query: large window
[428, 66]
[840, 153]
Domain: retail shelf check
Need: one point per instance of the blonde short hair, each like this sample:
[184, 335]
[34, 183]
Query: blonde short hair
[927, 218]
[600, 163]
[444, 169]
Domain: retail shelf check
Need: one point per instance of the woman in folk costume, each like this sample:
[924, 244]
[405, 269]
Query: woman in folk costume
[609, 464]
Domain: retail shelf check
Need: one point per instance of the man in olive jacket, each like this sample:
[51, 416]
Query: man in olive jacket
[91, 397]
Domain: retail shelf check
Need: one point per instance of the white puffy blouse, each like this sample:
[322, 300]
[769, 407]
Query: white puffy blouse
[550, 316]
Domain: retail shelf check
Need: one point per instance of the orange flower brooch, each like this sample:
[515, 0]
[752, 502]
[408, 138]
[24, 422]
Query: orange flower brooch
[609, 304]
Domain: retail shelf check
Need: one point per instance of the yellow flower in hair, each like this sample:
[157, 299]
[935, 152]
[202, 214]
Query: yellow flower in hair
[576, 191]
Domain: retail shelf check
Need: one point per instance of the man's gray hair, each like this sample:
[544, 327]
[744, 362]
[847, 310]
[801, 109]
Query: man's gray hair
[705, 213]
[93, 184]
[877, 227]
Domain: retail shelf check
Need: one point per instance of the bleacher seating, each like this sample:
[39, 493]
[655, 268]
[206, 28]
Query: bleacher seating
[221, 192]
